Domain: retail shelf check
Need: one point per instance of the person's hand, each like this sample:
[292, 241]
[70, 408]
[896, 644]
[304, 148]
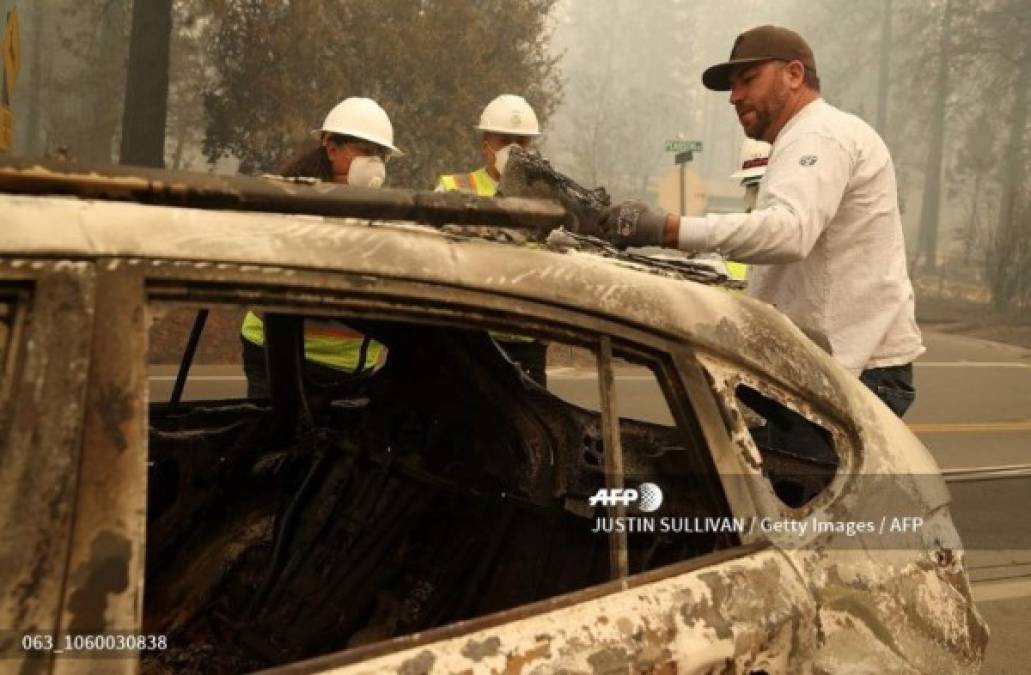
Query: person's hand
[633, 224]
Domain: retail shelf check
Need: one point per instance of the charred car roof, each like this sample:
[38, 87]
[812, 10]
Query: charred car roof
[119, 212]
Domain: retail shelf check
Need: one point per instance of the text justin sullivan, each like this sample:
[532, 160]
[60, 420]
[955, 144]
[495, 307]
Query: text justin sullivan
[708, 525]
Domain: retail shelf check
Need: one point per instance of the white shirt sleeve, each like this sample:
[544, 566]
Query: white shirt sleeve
[800, 194]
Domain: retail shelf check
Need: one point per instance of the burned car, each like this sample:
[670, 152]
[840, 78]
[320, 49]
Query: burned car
[445, 513]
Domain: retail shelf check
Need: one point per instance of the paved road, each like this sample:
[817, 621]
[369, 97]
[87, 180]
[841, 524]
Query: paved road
[973, 410]
[973, 405]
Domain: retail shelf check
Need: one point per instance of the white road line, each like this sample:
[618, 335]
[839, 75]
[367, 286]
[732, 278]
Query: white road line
[972, 364]
[581, 373]
[199, 378]
[1009, 589]
[560, 373]
[983, 473]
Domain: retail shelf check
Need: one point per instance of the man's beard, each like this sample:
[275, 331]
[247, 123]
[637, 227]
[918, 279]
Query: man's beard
[759, 126]
[765, 115]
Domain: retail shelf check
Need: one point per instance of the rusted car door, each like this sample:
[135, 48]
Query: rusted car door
[739, 611]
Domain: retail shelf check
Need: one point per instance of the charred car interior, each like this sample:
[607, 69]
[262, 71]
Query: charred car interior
[446, 486]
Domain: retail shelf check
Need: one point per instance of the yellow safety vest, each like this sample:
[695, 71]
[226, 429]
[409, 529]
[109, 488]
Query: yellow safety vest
[737, 271]
[479, 183]
[328, 343]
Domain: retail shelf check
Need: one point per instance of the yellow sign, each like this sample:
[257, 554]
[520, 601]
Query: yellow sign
[6, 123]
[12, 51]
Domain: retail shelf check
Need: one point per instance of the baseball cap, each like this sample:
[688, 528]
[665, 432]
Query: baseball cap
[763, 43]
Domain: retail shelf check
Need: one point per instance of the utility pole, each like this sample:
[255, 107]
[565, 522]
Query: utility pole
[929, 211]
[146, 87]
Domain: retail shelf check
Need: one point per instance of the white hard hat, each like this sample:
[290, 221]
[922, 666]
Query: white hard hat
[509, 114]
[361, 118]
[754, 156]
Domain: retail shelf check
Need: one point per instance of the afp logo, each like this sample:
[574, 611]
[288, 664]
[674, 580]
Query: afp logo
[648, 497]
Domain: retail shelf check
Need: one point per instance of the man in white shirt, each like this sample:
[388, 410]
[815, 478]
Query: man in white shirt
[825, 239]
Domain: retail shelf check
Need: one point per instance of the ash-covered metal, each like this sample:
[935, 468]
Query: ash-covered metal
[530, 175]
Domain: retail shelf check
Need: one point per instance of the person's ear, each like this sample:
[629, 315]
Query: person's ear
[795, 73]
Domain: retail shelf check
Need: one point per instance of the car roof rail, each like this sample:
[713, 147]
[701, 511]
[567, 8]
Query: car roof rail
[454, 212]
[274, 195]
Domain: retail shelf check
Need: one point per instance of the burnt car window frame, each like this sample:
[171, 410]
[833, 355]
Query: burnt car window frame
[674, 369]
[661, 354]
[724, 376]
[657, 353]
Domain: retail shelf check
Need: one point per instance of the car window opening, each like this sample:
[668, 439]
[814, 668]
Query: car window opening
[799, 455]
[12, 313]
[437, 483]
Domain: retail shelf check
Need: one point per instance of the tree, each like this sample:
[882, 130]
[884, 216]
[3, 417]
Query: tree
[998, 40]
[190, 74]
[1011, 253]
[927, 246]
[973, 168]
[431, 64]
[83, 78]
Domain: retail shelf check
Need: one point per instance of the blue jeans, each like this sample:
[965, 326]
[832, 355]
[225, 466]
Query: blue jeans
[893, 385]
[790, 433]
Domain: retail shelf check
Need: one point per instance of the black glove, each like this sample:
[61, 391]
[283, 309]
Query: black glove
[633, 224]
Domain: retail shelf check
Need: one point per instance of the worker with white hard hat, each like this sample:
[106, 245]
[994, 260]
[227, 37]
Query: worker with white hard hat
[755, 155]
[507, 121]
[355, 141]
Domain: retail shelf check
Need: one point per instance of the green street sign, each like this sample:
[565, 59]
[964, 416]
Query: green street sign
[683, 146]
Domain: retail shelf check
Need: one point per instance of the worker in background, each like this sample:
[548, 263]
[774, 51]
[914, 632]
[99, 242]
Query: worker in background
[354, 144]
[505, 122]
[824, 243]
[754, 157]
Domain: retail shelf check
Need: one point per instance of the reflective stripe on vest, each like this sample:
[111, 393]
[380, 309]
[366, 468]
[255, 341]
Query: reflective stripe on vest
[477, 183]
[736, 271]
[327, 343]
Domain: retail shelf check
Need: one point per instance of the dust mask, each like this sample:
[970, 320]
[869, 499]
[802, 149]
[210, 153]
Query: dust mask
[366, 172]
[501, 158]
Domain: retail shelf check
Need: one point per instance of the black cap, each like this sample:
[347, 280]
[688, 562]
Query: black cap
[764, 43]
